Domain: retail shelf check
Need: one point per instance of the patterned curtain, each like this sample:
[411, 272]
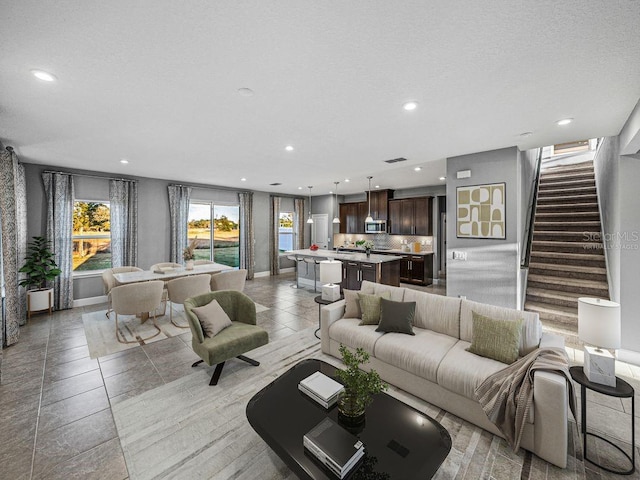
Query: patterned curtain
[123, 198]
[13, 244]
[58, 189]
[299, 222]
[247, 240]
[274, 236]
[179, 197]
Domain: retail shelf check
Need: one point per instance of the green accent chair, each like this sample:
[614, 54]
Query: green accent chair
[242, 336]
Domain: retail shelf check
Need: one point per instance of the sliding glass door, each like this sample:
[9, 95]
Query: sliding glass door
[215, 230]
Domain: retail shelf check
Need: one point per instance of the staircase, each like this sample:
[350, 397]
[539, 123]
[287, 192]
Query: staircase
[567, 255]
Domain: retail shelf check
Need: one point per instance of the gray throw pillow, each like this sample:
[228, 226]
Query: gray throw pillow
[370, 306]
[495, 339]
[396, 317]
[351, 304]
[212, 318]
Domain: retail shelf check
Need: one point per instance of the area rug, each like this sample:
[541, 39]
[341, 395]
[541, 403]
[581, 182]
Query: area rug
[187, 429]
[100, 330]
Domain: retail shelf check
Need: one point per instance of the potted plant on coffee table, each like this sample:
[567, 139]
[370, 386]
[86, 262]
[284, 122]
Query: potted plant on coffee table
[359, 386]
[41, 269]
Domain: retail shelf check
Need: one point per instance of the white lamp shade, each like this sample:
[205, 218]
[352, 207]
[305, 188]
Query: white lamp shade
[330, 271]
[599, 322]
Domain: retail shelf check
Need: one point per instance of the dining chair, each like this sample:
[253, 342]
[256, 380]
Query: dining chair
[243, 334]
[109, 281]
[230, 280]
[137, 298]
[156, 267]
[179, 289]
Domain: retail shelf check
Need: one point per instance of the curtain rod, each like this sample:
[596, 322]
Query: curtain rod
[90, 176]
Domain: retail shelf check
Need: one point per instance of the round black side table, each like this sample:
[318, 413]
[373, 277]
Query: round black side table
[320, 303]
[621, 390]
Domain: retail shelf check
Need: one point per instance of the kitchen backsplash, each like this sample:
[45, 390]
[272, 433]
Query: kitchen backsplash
[382, 240]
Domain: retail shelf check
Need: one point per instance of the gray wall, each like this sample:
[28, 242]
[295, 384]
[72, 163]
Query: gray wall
[630, 133]
[491, 273]
[606, 167]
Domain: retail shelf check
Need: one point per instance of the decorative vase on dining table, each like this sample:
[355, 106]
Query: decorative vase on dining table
[188, 265]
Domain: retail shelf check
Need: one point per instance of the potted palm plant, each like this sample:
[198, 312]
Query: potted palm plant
[359, 386]
[41, 269]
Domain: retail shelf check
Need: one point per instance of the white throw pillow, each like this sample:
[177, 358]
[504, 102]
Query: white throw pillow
[212, 318]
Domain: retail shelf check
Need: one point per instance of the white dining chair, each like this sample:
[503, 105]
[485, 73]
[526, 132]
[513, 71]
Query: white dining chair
[156, 267]
[179, 289]
[109, 281]
[137, 298]
[230, 280]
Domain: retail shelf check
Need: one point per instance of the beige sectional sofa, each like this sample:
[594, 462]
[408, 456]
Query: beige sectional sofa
[435, 366]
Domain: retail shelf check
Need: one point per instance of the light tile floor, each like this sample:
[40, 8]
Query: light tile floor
[55, 401]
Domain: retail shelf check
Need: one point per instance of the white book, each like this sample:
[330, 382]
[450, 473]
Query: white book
[310, 394]
[322, 386]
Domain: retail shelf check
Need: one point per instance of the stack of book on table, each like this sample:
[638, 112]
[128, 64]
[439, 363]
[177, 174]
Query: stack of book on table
[334, 447]
[321, 388]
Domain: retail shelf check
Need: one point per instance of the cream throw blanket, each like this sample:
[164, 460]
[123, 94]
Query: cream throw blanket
[506, 395]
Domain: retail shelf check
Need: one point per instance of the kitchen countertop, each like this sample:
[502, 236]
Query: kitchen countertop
[353, 256]
[388, 252]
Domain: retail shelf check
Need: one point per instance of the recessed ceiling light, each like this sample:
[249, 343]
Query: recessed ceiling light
[443, 178]
[412, 105]
[299, 188]
[330, 192]
[243, 179]
[565, 121]
[124, 161]
[377, 186]
[289, 148]
[347, 180]
[417, 169]
[45, 76]
[245, 92]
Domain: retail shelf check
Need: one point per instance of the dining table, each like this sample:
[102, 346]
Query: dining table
[169, 274]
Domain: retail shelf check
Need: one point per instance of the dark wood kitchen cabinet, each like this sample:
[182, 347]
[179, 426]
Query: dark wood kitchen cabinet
[417, 269]
[352, 217]
[380, 203]
[354, 273]
[410, 216]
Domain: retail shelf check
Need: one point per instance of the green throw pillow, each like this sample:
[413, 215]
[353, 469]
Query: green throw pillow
[496, 339]
[396, 316]
[370, 306]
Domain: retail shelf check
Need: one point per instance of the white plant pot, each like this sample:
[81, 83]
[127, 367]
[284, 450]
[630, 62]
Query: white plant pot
[189, 265]
[38, 300]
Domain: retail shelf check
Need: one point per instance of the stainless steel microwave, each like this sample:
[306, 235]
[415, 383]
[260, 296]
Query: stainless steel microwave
[377, 226]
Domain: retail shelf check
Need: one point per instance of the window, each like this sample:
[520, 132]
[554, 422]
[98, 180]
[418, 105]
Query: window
[91, 236]
[216, 231]
[285, 231]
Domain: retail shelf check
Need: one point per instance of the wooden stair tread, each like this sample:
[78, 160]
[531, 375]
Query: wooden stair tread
[554, 309]
[568, 206]
[569, 256]
[579, 182]
[585, 223]
[568, 268]
[571, 190]
[586, 246]
[575, 282]
[550, 215]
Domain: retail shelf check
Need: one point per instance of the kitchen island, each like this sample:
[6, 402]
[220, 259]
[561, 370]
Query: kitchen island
[357, 267]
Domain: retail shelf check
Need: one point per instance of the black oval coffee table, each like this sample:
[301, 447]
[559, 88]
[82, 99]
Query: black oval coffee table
[400, 442]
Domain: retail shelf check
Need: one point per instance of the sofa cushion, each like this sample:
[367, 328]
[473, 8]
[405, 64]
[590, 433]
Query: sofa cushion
[435, 312]
[531, 326]
[351, 304]
[496, 339]
[397, 293]
[348, 332]
[420, 354]
[370, 307]
[396, 317]
[462, 372]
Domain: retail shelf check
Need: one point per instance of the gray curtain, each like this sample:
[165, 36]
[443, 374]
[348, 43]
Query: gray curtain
[274, 237]
[59, 194]
[247, 240]
[13, 244]
[123, 198]
[298, 223]
[179, 197]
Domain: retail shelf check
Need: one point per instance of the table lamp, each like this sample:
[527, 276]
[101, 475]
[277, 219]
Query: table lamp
[599, 325]
[330, 274]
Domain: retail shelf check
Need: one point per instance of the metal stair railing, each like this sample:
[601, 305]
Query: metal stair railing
[531, 214]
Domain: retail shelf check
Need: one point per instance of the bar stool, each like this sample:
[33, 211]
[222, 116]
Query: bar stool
[297, 260]
[315, 261]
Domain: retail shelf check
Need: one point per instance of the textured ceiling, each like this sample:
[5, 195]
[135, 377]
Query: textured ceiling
[156, 82]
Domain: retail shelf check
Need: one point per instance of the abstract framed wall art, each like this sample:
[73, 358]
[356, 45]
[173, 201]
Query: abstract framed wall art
[480, 211]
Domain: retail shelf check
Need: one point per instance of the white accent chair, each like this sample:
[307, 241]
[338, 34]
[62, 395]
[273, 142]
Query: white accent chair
[109, 281]
[231, 280]
[137, 298]
[179, 289]
[158, 266]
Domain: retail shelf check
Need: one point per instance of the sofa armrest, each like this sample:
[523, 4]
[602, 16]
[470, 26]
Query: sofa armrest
[329, 314]
[551, 413]
[551, 340]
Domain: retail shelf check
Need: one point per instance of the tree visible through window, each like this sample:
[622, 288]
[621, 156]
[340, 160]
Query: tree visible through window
[223, 244]
[91, 236]
[285, 231]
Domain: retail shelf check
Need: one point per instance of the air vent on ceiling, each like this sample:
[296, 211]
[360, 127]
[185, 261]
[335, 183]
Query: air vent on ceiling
[275, 184]
[396, 160]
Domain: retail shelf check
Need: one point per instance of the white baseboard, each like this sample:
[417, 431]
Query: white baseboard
[288, 270]
[83, 302]
[261, 274]
[629, 356]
